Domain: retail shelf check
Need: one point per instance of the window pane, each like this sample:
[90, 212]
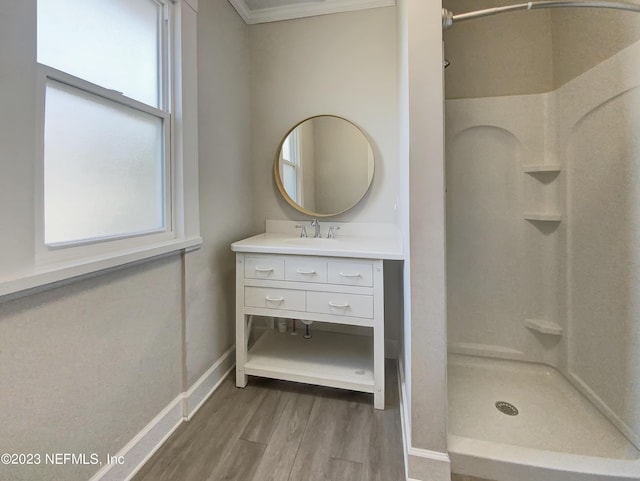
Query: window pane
[103, 167]
[286, 149]
[289, 180]
[112, 43]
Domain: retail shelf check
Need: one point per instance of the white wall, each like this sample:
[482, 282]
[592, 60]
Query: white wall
[342, 64]
[421, 149]
[502, 269]
[599, 112]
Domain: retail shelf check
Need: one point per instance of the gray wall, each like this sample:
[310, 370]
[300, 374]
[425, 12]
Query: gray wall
[502, 55]
[582, 38]
[226, 176]
[343, 64]
[84, 367]
[341, 165]
[529, 52]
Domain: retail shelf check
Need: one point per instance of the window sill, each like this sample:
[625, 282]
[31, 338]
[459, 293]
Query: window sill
[59, 274]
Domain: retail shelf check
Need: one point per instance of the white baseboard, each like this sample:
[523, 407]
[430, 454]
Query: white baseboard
[195, 397]
[140, 449]
[137, 451]
[404, 418]
[428, 465]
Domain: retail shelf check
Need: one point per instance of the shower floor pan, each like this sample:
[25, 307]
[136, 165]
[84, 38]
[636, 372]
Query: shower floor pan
[556, 435]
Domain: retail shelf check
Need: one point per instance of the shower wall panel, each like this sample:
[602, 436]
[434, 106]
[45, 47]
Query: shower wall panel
[582, 273]
[599, 139]
[501, 268]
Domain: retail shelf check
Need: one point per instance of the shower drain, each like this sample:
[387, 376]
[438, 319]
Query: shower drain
[507, 408]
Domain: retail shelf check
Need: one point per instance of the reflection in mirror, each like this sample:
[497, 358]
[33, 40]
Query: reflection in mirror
[324, 166]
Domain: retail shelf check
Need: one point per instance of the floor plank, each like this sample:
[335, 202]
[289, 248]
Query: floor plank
[385, 459]
[241, 462]
[265, 419]
[281, 452]
[280, 431]
[317, 443]
[200, 445]
[460, 477]
[353, 426]
[342, 470]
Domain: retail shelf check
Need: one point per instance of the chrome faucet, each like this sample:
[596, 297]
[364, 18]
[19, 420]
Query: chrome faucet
[316, 224]
[331, 234]
[303, 232]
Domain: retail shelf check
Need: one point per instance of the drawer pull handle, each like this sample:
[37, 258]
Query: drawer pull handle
[264, 269]
[342, 306]
[274, 299]
[306, 273]
[350, 274]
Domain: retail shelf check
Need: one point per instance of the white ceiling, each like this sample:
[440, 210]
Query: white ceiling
[260, 11]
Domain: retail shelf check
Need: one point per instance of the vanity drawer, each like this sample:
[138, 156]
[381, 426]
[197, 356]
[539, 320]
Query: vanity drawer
[264, 267]
[305, 270]
[351, 273]
[271, 298]
[353, 305]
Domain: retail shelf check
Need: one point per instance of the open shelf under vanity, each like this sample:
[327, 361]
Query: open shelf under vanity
[327, 359]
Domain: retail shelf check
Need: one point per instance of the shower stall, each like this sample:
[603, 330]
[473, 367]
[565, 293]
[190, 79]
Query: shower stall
[543, 239]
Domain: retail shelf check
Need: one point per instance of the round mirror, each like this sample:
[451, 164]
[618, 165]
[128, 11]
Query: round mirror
[324, 166]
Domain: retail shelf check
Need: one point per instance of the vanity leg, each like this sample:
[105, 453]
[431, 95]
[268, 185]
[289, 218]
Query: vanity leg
[378, 370]
[378, 337]
[241, 349]
[242, 334]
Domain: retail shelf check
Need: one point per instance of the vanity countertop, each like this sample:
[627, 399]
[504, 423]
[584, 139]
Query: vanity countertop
[389, 247]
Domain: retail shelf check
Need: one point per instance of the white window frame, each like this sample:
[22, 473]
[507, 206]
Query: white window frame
[294, 142]
[29, 271]
[46, 254]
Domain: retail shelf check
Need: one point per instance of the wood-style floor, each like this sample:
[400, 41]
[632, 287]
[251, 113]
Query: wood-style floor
[279, 431]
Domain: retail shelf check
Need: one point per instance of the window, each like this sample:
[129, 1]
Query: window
[290, 165]
[106, 171]
[116, 89]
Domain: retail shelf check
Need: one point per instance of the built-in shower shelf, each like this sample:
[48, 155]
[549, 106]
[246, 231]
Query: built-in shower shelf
[543, 217]
[541, 169]
[545, 327]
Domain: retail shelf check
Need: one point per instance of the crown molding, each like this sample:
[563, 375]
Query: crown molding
[288, 12]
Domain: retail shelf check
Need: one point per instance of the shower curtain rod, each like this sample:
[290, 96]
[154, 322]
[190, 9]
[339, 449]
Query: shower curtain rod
[448, 18]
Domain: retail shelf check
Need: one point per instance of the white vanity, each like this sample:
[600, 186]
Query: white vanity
[325, 278]
[337, 281]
